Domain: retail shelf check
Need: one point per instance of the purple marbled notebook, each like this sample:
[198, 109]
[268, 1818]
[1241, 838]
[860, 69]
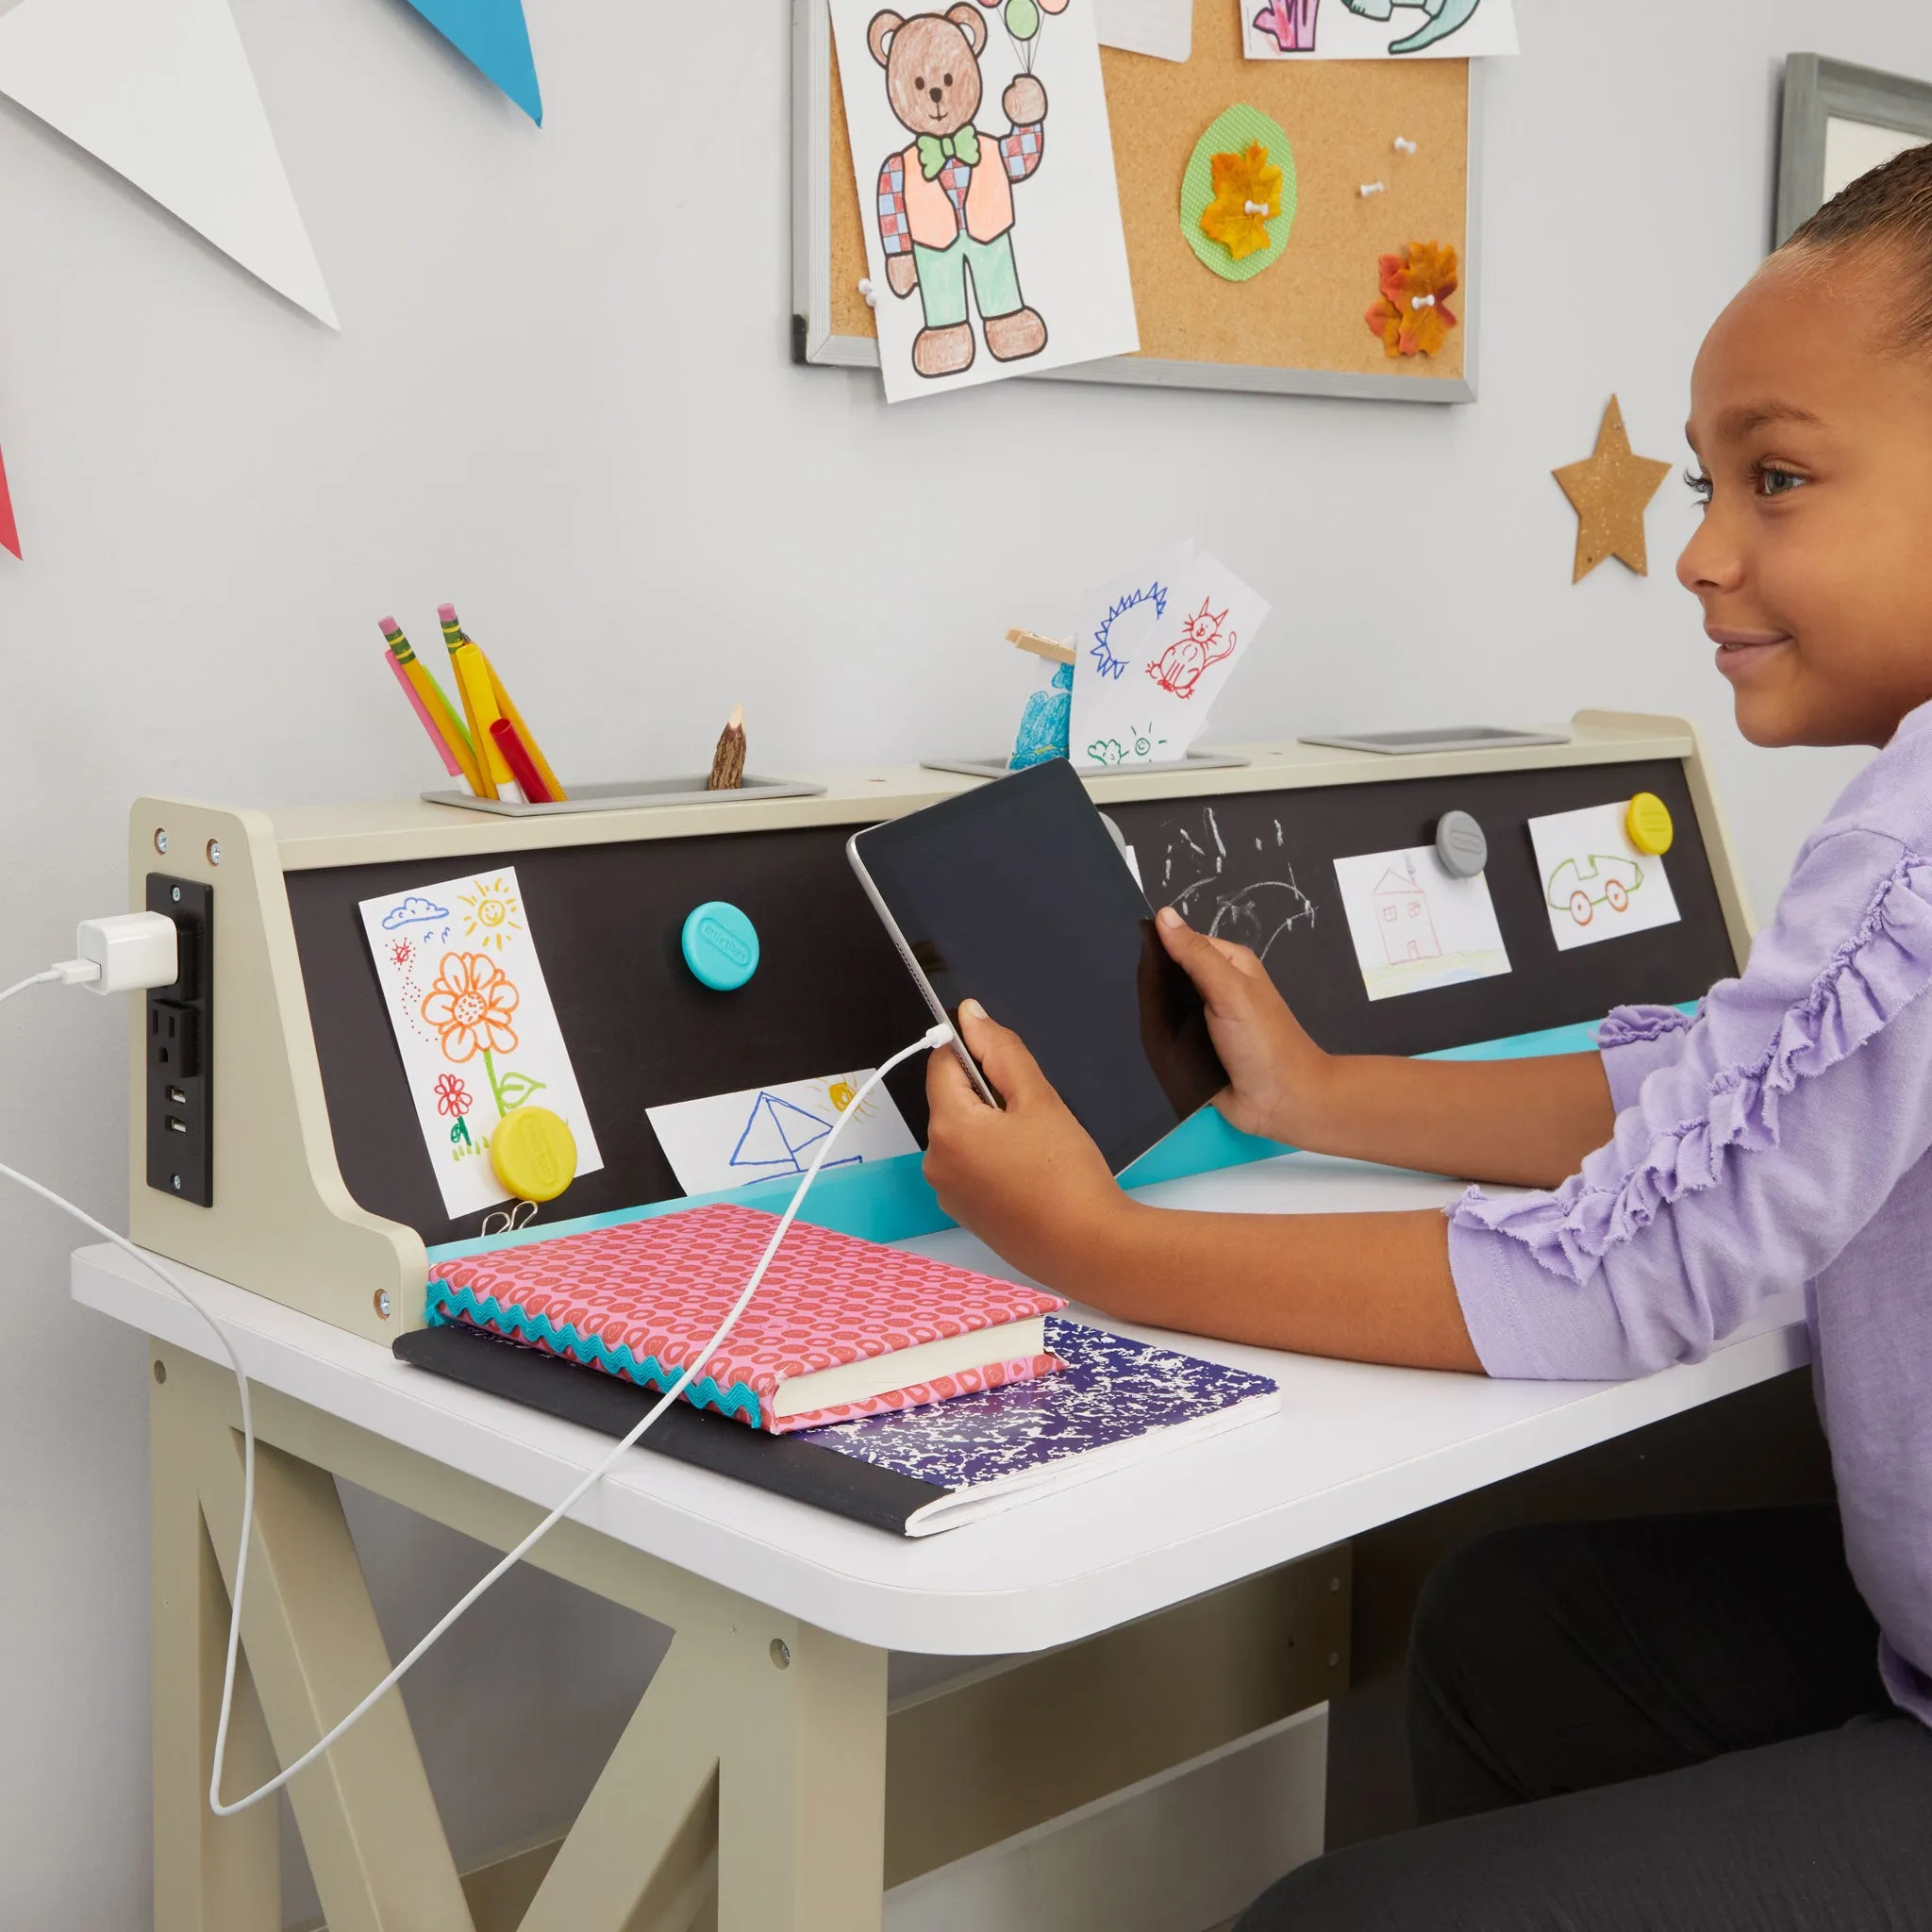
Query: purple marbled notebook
[1114, 1403]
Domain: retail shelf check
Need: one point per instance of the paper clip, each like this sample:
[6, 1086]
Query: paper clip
[513, 1219]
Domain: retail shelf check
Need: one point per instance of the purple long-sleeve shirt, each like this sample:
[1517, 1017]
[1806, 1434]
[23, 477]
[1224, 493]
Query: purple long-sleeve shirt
[1780, 1137]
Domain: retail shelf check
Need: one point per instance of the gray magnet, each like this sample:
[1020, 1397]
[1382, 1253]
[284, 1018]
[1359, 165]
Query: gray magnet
[1460, 845]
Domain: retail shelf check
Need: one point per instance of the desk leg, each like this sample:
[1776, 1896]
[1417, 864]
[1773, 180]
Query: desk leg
[802, 1787]
[375, 1840]
[759, 1737]
[211, 1875]
[751, 1773]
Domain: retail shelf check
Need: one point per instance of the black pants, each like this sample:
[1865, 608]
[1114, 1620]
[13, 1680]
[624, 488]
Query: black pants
[1644, 1726]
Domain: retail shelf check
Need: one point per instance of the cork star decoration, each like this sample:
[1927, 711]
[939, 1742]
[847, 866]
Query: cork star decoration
[1609, 491]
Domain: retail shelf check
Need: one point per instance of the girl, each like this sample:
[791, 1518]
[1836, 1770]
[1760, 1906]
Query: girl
[1708, 1722]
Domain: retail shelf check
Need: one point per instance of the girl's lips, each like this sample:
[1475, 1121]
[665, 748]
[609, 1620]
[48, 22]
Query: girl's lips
[1738, 640]
[1741, 651]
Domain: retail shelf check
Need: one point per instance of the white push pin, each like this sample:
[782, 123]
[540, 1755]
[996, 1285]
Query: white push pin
[1256, 208]
[1403, 147]
[865, 289]
[1421, 301]
[1370, 188]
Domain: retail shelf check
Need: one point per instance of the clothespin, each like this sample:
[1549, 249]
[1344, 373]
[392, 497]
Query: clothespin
[1050, 648]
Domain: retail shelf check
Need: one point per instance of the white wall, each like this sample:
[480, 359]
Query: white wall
[561, 397]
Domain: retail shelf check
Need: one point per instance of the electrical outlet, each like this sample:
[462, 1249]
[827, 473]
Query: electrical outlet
[180, 1042]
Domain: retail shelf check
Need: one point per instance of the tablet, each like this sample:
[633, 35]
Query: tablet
[1015, 895]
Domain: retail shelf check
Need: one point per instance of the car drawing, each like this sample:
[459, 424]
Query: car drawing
[1579, 886]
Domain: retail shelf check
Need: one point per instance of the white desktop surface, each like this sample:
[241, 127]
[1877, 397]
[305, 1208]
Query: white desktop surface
[1353, 1446]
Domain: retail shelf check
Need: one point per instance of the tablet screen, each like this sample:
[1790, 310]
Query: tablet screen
[1016, 895]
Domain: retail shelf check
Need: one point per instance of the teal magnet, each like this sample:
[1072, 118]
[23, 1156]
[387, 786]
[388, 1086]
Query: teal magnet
[720, 945]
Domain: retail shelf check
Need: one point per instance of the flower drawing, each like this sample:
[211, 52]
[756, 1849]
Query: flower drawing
[451, 1096]
[1412, 314]
[401, 952]
[1247, 195]
[469, 1006]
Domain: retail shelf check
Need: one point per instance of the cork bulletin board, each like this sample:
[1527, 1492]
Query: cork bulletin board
[1297, 328]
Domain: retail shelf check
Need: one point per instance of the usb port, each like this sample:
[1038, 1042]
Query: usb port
[176, 1125]
[176, 1097]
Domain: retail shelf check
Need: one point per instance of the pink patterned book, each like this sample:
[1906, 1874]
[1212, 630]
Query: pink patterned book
[839, 1328]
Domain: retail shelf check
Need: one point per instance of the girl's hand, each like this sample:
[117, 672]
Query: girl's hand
[1026, 1179]
[1276, 1072]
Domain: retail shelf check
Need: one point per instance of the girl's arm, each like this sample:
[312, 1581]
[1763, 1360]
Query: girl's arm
[1522, 1123]
[1029, 1182]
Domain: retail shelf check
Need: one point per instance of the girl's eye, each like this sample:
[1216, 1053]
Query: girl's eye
[1775, 482]
[1699, 486]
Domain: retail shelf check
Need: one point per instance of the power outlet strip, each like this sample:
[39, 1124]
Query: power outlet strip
[180, 1048]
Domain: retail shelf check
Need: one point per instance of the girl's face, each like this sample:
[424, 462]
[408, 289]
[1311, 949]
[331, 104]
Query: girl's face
[1812, 422]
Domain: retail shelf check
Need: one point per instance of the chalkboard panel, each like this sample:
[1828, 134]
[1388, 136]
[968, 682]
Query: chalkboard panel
[830, 993]
[1262, 867]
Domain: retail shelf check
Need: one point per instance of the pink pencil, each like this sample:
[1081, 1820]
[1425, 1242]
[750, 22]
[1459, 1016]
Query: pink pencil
[422, 710]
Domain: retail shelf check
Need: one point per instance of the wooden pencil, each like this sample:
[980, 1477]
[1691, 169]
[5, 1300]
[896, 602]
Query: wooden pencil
[727, 762]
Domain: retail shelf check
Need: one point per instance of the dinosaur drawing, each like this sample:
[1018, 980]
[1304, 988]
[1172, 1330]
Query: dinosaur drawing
[1446, 17]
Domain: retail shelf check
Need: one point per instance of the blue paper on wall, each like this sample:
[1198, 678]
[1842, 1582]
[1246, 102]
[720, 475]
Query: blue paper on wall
[492, 37]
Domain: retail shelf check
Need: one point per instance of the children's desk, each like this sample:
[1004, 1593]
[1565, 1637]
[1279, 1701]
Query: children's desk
[1145, 1620]
[1209, 1581]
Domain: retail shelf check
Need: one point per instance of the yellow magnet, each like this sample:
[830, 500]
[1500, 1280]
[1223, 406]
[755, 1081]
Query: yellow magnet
[534, 1153]
[1648, 823]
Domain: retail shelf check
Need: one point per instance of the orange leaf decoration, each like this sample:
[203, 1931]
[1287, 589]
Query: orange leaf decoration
[1412, 313]
[1247, 195]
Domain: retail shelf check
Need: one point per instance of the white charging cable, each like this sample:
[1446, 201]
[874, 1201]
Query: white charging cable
[934, 1037]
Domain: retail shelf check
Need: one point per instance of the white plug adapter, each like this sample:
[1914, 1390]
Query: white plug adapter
[128, 952]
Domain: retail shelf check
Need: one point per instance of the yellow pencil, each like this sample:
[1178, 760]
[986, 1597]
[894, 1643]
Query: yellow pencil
[506, 705]
[479, 703]
[448, 726]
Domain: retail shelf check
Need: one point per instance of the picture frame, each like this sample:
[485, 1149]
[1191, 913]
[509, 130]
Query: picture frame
[1837, 121]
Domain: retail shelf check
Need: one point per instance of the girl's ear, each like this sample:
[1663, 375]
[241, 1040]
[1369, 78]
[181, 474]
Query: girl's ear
[878, 36]
[971, 23]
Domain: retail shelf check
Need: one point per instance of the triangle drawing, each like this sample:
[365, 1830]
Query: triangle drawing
[779, 1134]
[494, 37]
[9, 530]
[160, 91]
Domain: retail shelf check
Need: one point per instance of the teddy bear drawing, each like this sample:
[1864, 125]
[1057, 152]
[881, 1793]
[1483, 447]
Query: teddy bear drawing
[945, 201]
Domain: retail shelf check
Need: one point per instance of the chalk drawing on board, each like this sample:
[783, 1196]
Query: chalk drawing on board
[1251, 901]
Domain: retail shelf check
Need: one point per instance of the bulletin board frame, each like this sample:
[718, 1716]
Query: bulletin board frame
[816, 340]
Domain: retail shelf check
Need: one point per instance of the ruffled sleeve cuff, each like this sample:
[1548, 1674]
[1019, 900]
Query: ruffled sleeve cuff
[1526, 1324]
[1634, 1042]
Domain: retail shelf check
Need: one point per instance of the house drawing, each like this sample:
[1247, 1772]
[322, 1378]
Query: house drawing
[1402, 918]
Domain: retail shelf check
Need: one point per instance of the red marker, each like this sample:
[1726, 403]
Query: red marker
[523, 767]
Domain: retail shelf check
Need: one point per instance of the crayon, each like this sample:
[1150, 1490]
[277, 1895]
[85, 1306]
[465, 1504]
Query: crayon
[516, 755]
